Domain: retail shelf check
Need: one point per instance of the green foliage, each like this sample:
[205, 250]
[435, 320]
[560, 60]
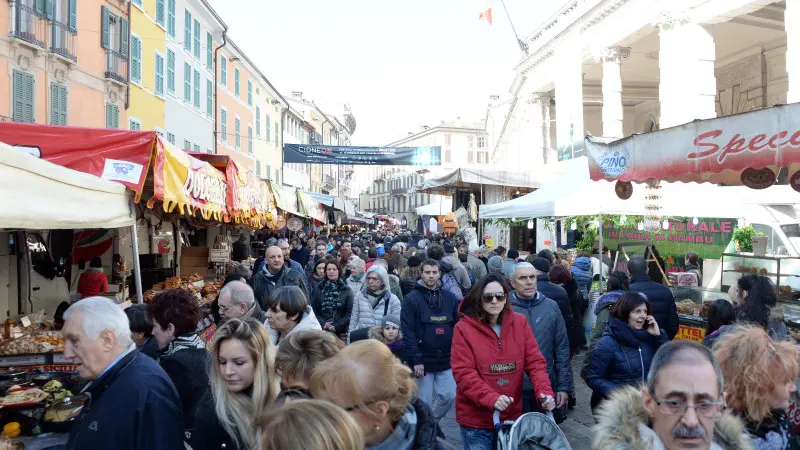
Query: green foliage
[744, 238]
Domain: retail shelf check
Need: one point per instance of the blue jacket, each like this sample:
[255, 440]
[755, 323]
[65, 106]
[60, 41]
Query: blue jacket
[134, 406]
[662, 301]
[622, 357]
[428, 318]
[582, 274]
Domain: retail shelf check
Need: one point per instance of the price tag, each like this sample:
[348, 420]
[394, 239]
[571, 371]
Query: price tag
[219, 255]
[25, 321]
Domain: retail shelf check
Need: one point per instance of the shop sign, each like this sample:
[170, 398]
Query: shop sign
[280, 223]
[294, 224]
[794, 181]
[623, 189]
[380, 156]
[758, 178]
[201, 186]
[614, 162]
[219, 255]
[690, 333]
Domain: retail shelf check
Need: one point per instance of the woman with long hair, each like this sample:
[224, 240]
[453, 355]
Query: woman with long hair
[759, 376]
[488, 335]
[366, 380]
[719, 319]
[624, 353]
[332, 300]
[243, 387]
[757, 303]
[310, 424]
[577, 336]
[318, 274]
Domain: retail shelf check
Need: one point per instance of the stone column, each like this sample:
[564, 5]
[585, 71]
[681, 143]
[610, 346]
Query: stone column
[792, 24]
[540, 126]
[688, 86]
[569, 102]
[613, 111]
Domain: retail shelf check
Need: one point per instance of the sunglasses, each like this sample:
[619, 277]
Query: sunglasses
[499, 296]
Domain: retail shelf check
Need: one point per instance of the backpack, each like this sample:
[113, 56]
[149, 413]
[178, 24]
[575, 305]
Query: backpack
[449, 283]
[471, 274]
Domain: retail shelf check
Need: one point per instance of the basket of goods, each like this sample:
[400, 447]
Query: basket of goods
[686, 306]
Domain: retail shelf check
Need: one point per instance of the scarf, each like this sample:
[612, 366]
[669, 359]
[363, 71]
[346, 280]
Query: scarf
[358, 278]
[402, 438]
[773, 433]
[331, 301]
[375, 297]
[273, 278]
[187, 341]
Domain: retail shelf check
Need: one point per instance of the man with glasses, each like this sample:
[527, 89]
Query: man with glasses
[236, 299]
[682, 406]
[428, 317]
[550, 332]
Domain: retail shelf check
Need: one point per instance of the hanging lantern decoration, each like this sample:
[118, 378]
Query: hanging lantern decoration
[652, 206]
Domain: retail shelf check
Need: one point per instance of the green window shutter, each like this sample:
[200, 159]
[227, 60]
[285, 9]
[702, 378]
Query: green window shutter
[236, 90]
[40, 7]
[54, 104]
[209, 98]
[18, 104]
[258, 121]
[73, 15]
[124, 36]
[187, 30]
[109, 118]
[105, 34]
[187, 83]
[276, 133]
[237, 136]
[115, 112]
[49, 7]
[171, 17]
[27, 97]
[250, 139]
[223, 71]
[136, 60]
[223, 126]
[170, 71]
[62, 100]
[160, 12]
[159, 75]
[209, 51]
[269, 133]
[196, 39]
[249, 92]
[197, 89]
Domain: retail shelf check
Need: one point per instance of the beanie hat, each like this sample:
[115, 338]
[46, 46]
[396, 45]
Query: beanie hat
[414, 261]
[496, 263]
[391, 319]
[449, 248]
[541, 264]
[513, 254]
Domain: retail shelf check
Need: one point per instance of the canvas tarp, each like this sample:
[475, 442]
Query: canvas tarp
[473, 178]
[36, 194]
[436, 208]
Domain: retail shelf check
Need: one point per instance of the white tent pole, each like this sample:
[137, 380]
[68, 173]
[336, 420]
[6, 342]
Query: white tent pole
[600, 251]
[480, 220]
[137, 272]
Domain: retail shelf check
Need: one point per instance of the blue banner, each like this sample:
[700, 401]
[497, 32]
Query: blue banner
[368, 156]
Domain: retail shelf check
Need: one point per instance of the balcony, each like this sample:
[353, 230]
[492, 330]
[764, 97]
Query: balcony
[328, 182]
[27, 24]
[399, 191]
[63, 41]
[116, 67]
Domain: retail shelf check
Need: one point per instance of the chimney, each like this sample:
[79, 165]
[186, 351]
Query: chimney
[297, 94]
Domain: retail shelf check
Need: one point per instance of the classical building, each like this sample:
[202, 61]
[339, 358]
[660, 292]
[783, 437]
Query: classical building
[147, 57]
[617, 67]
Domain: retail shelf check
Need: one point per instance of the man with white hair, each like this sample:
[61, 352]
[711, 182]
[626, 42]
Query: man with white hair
[477, 266]
[236, 299]
[134, 405]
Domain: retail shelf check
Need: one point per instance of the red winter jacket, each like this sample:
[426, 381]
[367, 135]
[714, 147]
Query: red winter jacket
[486, 367]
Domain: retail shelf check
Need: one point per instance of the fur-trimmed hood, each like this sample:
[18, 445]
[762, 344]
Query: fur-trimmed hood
[623, 425]
[377, 333]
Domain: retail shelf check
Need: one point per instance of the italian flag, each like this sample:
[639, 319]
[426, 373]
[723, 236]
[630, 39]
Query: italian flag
[486, 14]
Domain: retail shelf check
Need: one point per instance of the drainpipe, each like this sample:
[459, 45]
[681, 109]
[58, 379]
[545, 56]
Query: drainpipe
[128, 84]
[283, 121]
[216, 86]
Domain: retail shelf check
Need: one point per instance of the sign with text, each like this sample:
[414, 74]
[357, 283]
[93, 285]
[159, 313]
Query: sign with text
[369, 156]
[690, 333]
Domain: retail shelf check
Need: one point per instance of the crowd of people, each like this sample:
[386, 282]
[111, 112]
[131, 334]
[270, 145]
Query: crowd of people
[367, 342]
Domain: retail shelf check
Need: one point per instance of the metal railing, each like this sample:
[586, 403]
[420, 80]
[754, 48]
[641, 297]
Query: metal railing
[399, 191]
[27, 24]
[328, 180]
[63, 42]
[116, 66]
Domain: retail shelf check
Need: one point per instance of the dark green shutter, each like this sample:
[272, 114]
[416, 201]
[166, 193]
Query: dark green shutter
[27, 97]
[108, 115]
[105, 25]
[73, 15]
[19, 105]
[49, 9]
[124, 36]
[40, 7]
[53, 104]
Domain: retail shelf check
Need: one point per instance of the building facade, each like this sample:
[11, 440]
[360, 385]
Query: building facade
[64, 62]
[147, 53]
[235, 76]
[268, 131]
[186, 79]
[295, 131]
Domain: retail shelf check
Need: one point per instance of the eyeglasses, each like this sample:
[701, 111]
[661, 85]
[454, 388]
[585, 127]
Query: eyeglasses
[499, 296]
[223, 308]
[679, 407]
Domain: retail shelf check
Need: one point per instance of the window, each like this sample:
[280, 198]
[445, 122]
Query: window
[58, 104]
[223, 126]
[276, 133]
[160, 75]
[258, 168]
[134, 124]
[209, 98]
[137, 3]
[136, 60]
[112, 116]
[223, 71]
[481, 142]
[267, 121]
[447, 140]
[187, 83]
[470, 142]
[250, 139]
[171, 138]
[160, 12]
[171, 17]
[258, 121]
[249, 92]
[236, 83]
[196, 148]
[470, 157]
[187, 145]
[237, 136]
[209, 51]
[483, 157]
[170, 71]
[196, 39]
[447, 156]
[23, 97]
[196, 88]
[187, 30]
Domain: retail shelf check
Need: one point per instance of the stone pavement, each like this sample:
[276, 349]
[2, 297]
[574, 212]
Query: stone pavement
[577, 427]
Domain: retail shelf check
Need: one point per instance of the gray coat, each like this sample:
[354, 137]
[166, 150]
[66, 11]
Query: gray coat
[459, 273]
[477, 266]
[365, 314]
[550, 331]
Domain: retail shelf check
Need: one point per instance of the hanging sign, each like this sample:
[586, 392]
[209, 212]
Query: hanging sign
[294, 224]
[758, 178]
[280, 223]
[623, 189]
[374, 156]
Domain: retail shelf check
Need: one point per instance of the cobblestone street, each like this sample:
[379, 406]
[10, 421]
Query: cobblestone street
[577, 427]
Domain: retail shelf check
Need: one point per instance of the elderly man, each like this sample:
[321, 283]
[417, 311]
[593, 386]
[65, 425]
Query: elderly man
[552, 291]
[236, 299]
[134, 404]
[682, 406]
[283, 244]
[550, 331]
[477, 266]
[274, 275]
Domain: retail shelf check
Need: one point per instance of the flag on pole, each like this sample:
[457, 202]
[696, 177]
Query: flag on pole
[486, 14]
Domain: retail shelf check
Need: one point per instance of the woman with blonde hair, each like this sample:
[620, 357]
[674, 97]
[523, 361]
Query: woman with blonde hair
[376, 389]
[760, 379]
[310, 424]
[243, 386]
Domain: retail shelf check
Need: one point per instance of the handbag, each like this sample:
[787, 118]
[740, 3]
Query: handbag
[363, 333]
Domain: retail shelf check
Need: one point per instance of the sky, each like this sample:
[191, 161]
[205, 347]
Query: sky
[398, 64]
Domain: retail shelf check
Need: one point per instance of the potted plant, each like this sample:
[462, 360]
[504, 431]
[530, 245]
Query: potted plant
[743, 238]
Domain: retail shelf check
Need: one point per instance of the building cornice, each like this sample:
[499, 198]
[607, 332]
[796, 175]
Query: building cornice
[436, 129]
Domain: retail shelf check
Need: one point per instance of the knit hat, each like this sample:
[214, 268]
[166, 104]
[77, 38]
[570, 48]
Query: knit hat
[391, 319]
[449, 247]
[414, 261]
[541, 264]
[513, 254]
[496, 263]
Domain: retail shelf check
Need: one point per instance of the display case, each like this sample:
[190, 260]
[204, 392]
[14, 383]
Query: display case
[784, 271]
[692, 303]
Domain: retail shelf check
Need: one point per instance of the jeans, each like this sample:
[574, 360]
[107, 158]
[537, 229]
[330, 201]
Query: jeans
[438, 390]
[478, 439]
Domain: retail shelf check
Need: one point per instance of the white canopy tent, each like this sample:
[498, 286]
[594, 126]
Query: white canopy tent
[465, 178]
[436, 208]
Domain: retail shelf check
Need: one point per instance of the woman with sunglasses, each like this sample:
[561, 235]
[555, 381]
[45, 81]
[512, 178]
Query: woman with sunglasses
[493, 347]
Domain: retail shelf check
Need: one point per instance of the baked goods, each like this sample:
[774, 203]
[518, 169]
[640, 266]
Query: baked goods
[686, 306]
[23, 397]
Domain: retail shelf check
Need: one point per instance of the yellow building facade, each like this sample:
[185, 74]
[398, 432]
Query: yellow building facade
[148, 62]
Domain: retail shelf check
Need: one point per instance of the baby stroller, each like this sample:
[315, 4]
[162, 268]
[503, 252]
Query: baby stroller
[532, 431]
